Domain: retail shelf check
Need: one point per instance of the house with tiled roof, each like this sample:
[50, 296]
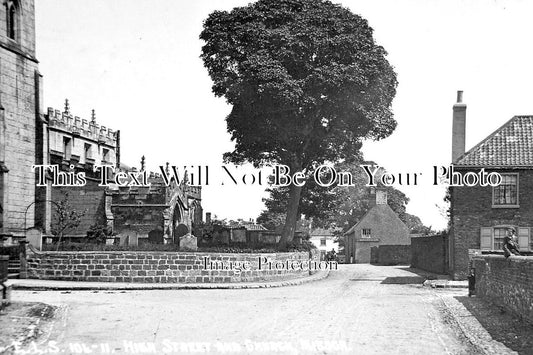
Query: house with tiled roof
[481, 215]
[379, 226]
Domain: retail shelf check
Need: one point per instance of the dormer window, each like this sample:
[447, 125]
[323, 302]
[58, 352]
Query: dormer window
[11, 19]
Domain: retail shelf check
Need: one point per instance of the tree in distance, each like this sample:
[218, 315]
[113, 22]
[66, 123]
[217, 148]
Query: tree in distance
[338, 207]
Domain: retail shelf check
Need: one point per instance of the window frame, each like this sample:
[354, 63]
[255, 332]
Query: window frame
[366, 235]
[502, 230]
[519, 229]
[88, 152]
[68, 144]
[12, 23]
[106, 154]
[517, 205]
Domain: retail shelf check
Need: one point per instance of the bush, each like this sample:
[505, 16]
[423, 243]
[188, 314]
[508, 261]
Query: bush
[98, 233]
[145, 246]
[80, 246]
[306, 245]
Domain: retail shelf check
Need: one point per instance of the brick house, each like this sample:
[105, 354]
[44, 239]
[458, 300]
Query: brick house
[379, 226]
[479, 216]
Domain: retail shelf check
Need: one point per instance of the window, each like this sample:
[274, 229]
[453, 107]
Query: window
[506, 194]
[67, 148]
[491, 238]
[366, 232]
[323, 242]
[88, 153]
[105, 155]
[11, 19]
[499, 234]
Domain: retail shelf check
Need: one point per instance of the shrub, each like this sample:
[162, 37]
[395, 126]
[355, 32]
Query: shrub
[145, 246]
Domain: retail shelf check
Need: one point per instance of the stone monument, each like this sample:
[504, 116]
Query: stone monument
[188, 242]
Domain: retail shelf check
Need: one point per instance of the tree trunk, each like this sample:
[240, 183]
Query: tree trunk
[59, 241]
[292, 216]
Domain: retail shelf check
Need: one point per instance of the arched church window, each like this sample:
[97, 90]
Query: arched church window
[11, 20]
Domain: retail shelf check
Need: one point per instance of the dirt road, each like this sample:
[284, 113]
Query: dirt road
[360, 309]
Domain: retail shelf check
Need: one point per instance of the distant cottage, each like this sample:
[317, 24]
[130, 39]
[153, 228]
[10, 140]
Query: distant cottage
[480, 216]
[323, 240]
[379, 226]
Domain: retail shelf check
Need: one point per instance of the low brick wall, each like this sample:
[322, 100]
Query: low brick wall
[430, 253]
[506, 282]
[170, 267]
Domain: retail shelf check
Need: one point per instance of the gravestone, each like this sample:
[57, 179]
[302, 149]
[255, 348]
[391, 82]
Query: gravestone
[238, 235]
[269, 238]
[188, 242]
[134, 239]
[35, 238]
[222, 237]
[128, 237]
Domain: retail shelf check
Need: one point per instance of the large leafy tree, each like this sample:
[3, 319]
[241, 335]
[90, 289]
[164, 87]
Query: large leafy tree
[306, 80]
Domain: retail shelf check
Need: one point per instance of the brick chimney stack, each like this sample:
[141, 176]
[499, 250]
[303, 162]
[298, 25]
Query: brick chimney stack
[381, 197]
[377, 197]
[458, 128]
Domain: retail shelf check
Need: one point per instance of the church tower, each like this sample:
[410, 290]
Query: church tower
[21, 130]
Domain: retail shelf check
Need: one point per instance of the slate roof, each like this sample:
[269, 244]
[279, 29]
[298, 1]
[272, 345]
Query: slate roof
[511, 145]
[321, 232]
[254, 227]
[377, 214]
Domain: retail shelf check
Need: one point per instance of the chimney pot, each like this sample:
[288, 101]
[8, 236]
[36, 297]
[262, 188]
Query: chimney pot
[381, 197]
[459, 96]
[458, 128]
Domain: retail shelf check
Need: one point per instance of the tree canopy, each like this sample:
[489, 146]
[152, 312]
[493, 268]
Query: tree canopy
[306, 80]
[338, 207]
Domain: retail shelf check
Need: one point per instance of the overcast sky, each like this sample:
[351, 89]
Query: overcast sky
[137, 64]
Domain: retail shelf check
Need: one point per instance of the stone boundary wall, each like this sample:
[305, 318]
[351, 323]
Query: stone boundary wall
[391, 254]
[430, 253]
[170, 267]
[4, 262]
[506, 282]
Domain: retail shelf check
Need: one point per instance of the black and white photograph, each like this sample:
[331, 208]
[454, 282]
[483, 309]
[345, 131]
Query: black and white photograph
[266, 177]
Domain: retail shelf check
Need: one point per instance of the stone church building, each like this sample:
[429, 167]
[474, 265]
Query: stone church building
[21, 126]
[30, 136]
